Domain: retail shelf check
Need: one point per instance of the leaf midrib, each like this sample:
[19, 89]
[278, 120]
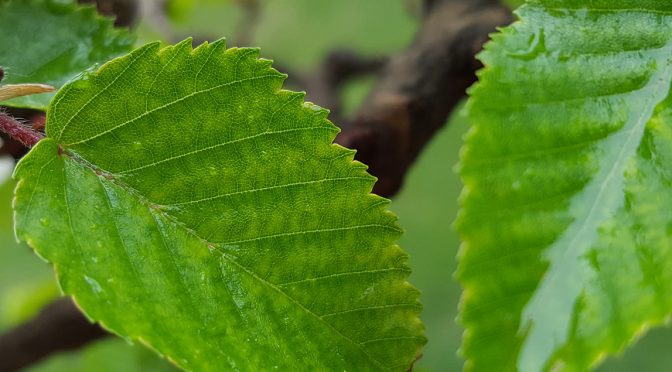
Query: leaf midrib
[636, 134]
[660, 80]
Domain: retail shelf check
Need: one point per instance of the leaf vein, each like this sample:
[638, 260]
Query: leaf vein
[367, 308]
[95, 96]
[345, 274]
[262, 189]
[305, 309]
[223, 144]
[164, 106]
[308, 232]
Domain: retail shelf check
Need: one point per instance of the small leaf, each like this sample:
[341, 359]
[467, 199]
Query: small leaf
[566, 206]
[188, 202]
[51, 41]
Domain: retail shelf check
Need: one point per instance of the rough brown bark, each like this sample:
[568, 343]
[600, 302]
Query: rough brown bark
[324, 87]
[419, 88]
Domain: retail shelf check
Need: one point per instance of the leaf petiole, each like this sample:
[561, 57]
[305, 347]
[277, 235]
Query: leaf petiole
[18, 131]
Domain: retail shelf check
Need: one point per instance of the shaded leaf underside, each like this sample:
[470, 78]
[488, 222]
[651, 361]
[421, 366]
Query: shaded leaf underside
[567, 170]
[51, 41]
[188, 202]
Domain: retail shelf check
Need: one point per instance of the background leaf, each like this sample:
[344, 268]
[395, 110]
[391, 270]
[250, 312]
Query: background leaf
[565, 211]
[205, 212]
[51, 41]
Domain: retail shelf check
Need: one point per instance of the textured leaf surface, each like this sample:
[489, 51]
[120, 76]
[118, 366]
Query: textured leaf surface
[567, 170]
[51, 41]
[189, 202]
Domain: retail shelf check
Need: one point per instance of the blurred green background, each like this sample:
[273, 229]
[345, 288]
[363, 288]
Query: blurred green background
[299, 34]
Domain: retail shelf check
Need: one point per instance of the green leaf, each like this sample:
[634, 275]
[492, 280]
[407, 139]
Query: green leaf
[188, 202]
[51, 41]
[567, 169]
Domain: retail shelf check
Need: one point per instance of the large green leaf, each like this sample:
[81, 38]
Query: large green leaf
[565, 214]
[51, 41]
[188, 202]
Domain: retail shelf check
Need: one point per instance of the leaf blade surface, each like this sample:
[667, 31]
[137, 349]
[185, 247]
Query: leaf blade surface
[216, 199]
[561, 118]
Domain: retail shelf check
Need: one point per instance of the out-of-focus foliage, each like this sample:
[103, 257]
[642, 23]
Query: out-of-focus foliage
[51, 41]
[300, 33]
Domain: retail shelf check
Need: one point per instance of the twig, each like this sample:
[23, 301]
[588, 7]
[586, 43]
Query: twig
[420, 87]
[59, 327]
[13, 128]
[325, 86]
[35, 118]
[17, 131]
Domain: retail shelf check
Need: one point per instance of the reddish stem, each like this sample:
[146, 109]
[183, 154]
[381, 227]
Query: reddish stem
[19, 132]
